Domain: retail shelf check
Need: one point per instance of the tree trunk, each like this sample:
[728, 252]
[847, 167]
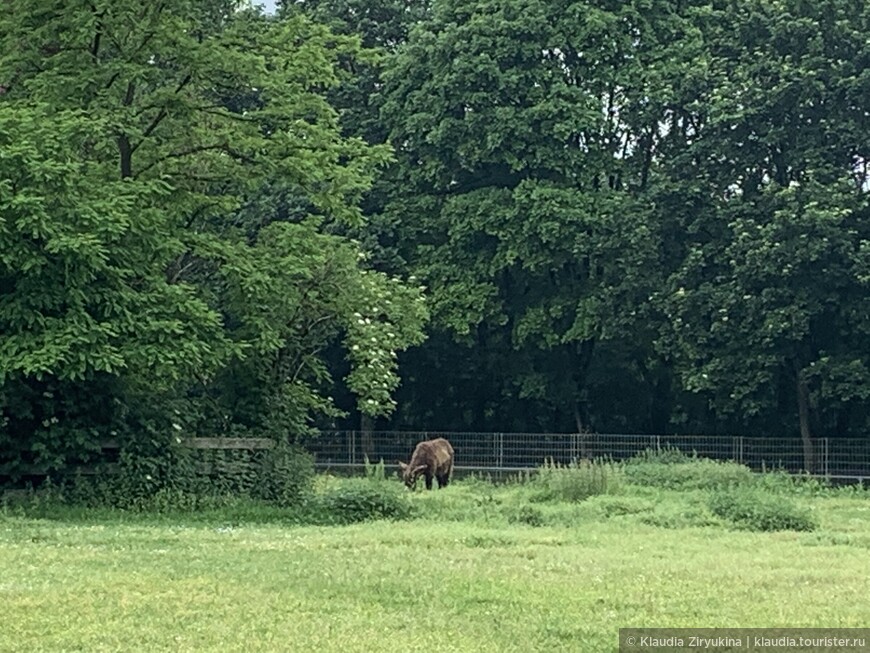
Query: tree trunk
[578, 421]
[125, 152]
[582, 452]
[582, 360]
[366, 426]
[125, 148]
[803, 398]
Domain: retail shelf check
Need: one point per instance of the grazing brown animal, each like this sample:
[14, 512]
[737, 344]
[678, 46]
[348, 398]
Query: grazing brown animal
[432, 458]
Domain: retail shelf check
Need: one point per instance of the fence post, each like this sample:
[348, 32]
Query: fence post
[826, 459]
[740, 449]
[351, 447]
[500, 449]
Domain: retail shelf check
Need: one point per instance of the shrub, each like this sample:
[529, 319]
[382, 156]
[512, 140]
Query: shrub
[664, 456]
[576, 481]
[136, 482]
[691, 474]
[358, 499]
[610, 506]
[786, 483]
[187, 480]
[679, 515]
[286, 476]
[525, 514]
[759, 511]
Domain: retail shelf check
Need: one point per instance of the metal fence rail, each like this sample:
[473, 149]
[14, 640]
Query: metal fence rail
[830, 457]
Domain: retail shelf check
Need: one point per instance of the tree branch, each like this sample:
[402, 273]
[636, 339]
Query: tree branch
[112, 80]
[160, 115]
[227, 114]
[95, 44]
[183, 153]
[150, 128]
[181, 269]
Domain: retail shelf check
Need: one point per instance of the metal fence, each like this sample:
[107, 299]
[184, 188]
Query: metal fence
[506, 452]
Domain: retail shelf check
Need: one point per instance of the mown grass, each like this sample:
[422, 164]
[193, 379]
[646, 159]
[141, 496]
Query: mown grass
[477, 567]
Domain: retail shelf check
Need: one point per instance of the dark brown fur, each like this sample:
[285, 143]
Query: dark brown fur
[431, 459]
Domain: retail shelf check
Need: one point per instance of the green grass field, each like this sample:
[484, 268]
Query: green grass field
[465, 574]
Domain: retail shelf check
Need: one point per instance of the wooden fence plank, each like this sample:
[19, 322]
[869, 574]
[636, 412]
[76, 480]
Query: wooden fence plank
[228, 443]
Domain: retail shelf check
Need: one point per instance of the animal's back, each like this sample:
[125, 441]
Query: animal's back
[437, 454]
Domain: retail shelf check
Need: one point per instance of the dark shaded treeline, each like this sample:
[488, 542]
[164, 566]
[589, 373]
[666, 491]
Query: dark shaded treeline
[630, 216]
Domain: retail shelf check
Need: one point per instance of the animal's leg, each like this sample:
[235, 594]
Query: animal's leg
[428, 480]
[445, 478]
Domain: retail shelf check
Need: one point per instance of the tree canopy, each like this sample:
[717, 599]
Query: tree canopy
[172, 174]
[644, 216]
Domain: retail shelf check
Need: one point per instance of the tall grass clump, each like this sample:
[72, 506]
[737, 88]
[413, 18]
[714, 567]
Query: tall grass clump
[664, 455]
[576, 481]
[674, 470]
[375, 472]
[783, 482]
[470, 499]
[760, 511]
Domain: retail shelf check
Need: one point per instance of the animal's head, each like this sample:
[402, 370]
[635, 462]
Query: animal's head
[410, 475]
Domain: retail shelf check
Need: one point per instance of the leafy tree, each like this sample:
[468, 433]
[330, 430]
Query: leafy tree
[382, 27]
[526, 132]
[140, 142]
[767, 311]
[81, 294]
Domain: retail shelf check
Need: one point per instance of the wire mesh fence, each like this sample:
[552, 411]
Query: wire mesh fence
[505, 452]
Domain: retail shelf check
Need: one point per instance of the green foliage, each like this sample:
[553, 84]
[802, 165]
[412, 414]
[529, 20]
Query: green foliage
[765, 312]
[286, 476]
[663, 456]
[310, 290]
[383, 25]
[664, 201]
[527, 230]
[172, 179]
[182, 479]
[84, 262]
[635, 217]
[576, 481]
[680, 514]
[695, 474]
[525, 514]
[359, 499]
[760, 511]
[797, 484]
[375, 472]
[617, 506]
[388, 318]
